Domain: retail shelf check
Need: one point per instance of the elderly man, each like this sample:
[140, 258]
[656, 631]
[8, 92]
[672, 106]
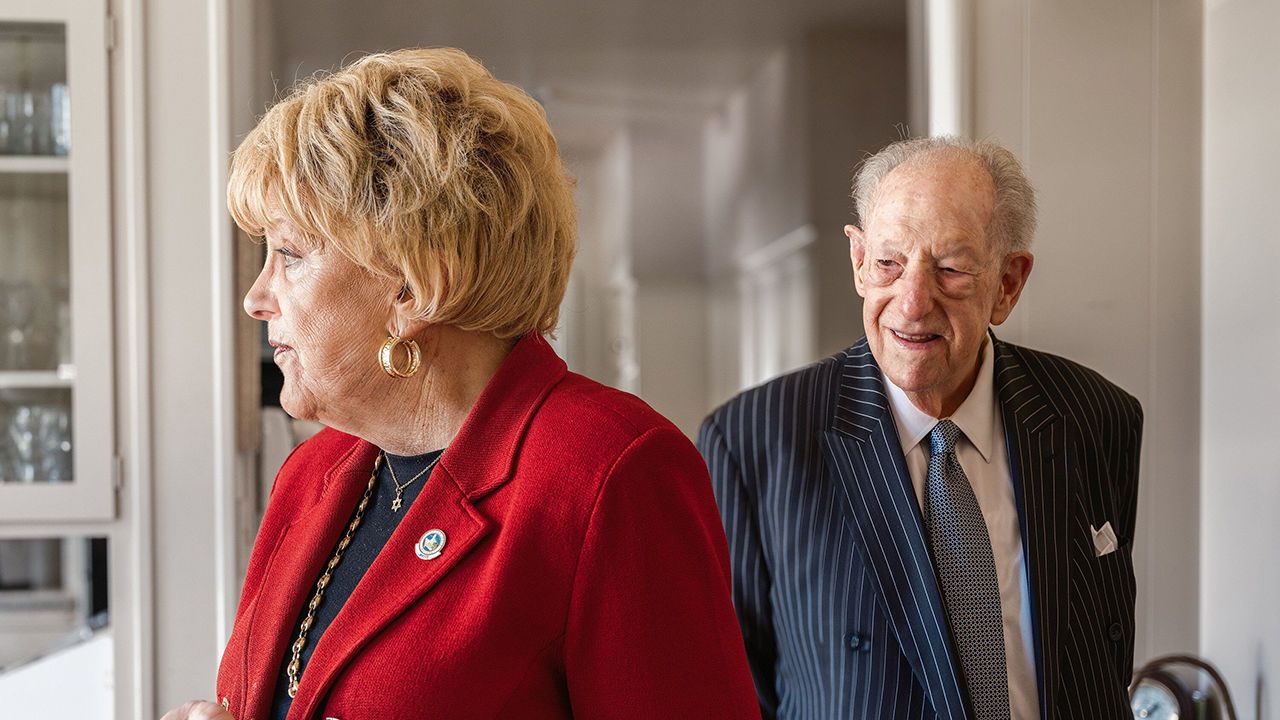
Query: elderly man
[934, 523]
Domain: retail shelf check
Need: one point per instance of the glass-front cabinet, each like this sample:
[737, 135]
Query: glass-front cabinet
[56, 377]
[57, 418]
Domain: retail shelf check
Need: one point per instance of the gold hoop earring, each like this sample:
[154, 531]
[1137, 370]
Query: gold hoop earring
[386, 357]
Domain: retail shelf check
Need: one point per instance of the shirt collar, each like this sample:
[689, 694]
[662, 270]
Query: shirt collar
[975, 417]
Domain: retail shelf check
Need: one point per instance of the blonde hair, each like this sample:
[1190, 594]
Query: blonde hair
[420, 166]
[1013, 221]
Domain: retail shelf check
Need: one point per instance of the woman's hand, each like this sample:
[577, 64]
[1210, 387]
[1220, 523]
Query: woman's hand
[198, 710]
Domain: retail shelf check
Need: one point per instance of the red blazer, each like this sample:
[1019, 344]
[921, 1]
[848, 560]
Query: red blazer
[585, 572]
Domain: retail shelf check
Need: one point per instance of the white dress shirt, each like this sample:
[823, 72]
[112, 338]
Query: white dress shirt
[983, 454]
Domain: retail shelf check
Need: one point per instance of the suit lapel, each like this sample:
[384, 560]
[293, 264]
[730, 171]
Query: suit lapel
[1036, 437]
[866, 458]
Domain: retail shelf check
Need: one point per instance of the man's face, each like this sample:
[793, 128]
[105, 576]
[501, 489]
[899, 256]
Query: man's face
[931, 280]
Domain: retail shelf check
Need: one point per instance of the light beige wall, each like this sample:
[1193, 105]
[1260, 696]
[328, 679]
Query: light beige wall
[672, 349]
[857, 103]
[1240, 627]
[755, 180]
[1101, 101]
[755, 190]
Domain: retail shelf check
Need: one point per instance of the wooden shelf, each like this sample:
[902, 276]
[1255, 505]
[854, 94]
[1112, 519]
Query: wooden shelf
[33, 164]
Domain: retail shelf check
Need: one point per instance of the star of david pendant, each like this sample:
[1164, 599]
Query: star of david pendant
[395, 504]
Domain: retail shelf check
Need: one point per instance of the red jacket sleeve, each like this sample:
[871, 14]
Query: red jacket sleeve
[651, 630]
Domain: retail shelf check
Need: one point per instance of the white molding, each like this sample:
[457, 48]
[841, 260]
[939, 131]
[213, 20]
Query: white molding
[34, 164]
[35, 379]
[778, 249]
[132, 559]
[776, 307]
[949, 38]
[223, 322]
[917, 69]
[64, 529]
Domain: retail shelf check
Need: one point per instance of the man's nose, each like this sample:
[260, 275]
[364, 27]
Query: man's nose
[915, 299]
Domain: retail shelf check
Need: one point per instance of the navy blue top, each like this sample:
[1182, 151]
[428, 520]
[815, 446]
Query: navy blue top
[374, 531]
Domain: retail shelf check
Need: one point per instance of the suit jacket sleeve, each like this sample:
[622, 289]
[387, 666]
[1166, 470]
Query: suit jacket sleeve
[751, 580]
[651, 631]
[1131, 451]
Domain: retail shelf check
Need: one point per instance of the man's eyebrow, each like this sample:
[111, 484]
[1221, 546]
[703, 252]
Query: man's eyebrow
[966, 253]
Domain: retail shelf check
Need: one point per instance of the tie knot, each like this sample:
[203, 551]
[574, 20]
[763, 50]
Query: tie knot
[943, 437]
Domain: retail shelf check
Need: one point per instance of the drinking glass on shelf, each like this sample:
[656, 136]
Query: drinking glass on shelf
[17, 313]
[42, 121]
[21, 441]
[63, 330]
[6, 123]
[61, 125]
[29, 334]
[53, 443]
[26, 130]
[38, 439]
[8, 455]
[13, 121]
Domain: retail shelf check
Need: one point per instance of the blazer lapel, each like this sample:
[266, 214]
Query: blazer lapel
[301, 550]
[397, 579]
[479, 460]
[865, 453]
[1036, 438]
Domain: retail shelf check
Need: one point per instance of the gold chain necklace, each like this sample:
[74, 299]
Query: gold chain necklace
[395, 504]
[295, 664]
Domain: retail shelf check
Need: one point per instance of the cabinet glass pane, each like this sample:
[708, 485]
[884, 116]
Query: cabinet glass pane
[36, 370]
[35, 108]
[34, 275]
[36, 442]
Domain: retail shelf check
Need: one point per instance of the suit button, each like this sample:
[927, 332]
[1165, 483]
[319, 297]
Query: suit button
[858, 641]
[1115, 632]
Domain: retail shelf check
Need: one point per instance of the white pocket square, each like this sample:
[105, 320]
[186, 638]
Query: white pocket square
[1104, 539]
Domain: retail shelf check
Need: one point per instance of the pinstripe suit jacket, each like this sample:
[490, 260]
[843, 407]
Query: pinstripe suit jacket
[832, 578]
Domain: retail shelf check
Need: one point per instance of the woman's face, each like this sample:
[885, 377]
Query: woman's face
[326, 318]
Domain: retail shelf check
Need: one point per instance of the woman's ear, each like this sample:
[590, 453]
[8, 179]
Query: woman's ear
[401, 309]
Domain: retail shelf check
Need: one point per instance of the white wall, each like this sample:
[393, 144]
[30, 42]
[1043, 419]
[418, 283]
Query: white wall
[596, 331]
[671, 334]
[1101, 101]
[1240, 627]
[755, 177]
[857, 104]
[756, 190]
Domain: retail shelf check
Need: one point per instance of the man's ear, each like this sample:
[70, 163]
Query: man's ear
[1014, 272]
[857, 256]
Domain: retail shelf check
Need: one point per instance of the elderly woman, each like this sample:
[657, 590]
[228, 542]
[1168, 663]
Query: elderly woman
[479, 533]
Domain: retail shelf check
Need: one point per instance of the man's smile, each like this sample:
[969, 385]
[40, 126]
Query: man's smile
[916, 341]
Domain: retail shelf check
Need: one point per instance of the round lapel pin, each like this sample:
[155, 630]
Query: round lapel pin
[430, 545]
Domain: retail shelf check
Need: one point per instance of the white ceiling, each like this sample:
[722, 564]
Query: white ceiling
[666, 51]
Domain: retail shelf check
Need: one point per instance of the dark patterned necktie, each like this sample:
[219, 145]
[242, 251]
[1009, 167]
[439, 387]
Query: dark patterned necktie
[967, 573]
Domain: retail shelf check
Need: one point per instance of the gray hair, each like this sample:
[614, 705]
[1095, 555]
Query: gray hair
[1013, 220]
